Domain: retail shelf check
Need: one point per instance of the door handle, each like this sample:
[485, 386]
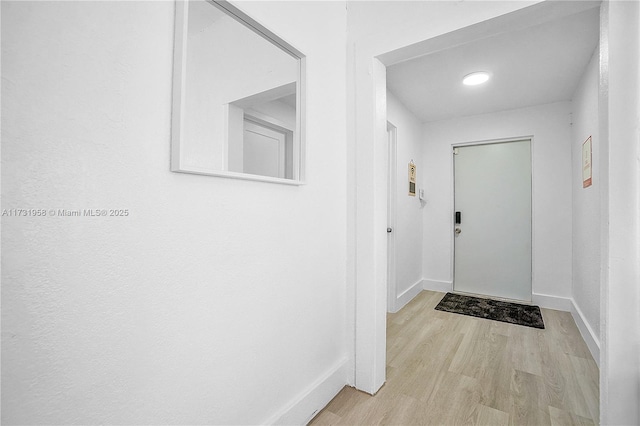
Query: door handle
[458, 230]
[389, 230]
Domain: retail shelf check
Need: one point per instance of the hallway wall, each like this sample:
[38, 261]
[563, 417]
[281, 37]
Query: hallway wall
[551, 192]
[586, 244]
[214, 301]
[408, 225]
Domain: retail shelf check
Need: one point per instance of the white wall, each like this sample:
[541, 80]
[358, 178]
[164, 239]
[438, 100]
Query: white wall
[620, 220]
[585, 219]
[408, 221]
[551, 192]
[215, 301]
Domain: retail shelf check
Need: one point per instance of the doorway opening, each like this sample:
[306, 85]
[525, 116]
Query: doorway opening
[370, 208]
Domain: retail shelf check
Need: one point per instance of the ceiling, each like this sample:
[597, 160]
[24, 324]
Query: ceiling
[529, 65]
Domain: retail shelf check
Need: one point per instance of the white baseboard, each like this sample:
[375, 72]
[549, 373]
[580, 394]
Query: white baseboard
[569, 305]
[552, 302]
[593, 343]
[435, 285]
[309, 403]
[407, 296]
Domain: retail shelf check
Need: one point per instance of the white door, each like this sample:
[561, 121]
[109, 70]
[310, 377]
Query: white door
[493, 208]
[263, 150]
[391, 215]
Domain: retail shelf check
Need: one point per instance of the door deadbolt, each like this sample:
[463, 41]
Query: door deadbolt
[389, 230]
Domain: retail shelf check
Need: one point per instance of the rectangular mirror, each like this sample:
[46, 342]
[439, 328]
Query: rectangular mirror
[237, 97]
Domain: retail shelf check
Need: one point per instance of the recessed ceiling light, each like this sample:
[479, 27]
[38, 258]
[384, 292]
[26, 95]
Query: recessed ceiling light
[475, 78]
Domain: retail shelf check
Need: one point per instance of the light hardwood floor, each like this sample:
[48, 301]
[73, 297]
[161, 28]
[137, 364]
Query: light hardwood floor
[449, 369]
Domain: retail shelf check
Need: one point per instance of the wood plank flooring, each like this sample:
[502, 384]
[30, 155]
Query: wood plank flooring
[449, 369]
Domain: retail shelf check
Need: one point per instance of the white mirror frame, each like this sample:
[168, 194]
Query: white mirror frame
[179, 81]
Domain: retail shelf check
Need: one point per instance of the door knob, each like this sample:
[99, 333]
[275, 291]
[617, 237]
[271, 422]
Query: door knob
[389, 230]
[458, 231]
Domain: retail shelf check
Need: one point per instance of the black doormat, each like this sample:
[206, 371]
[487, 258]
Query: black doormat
[497, 310]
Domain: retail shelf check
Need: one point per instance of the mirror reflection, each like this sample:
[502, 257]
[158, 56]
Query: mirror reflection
[236, 96]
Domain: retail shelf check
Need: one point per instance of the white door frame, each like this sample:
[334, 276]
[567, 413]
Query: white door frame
[369, 183]
[453, 199]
